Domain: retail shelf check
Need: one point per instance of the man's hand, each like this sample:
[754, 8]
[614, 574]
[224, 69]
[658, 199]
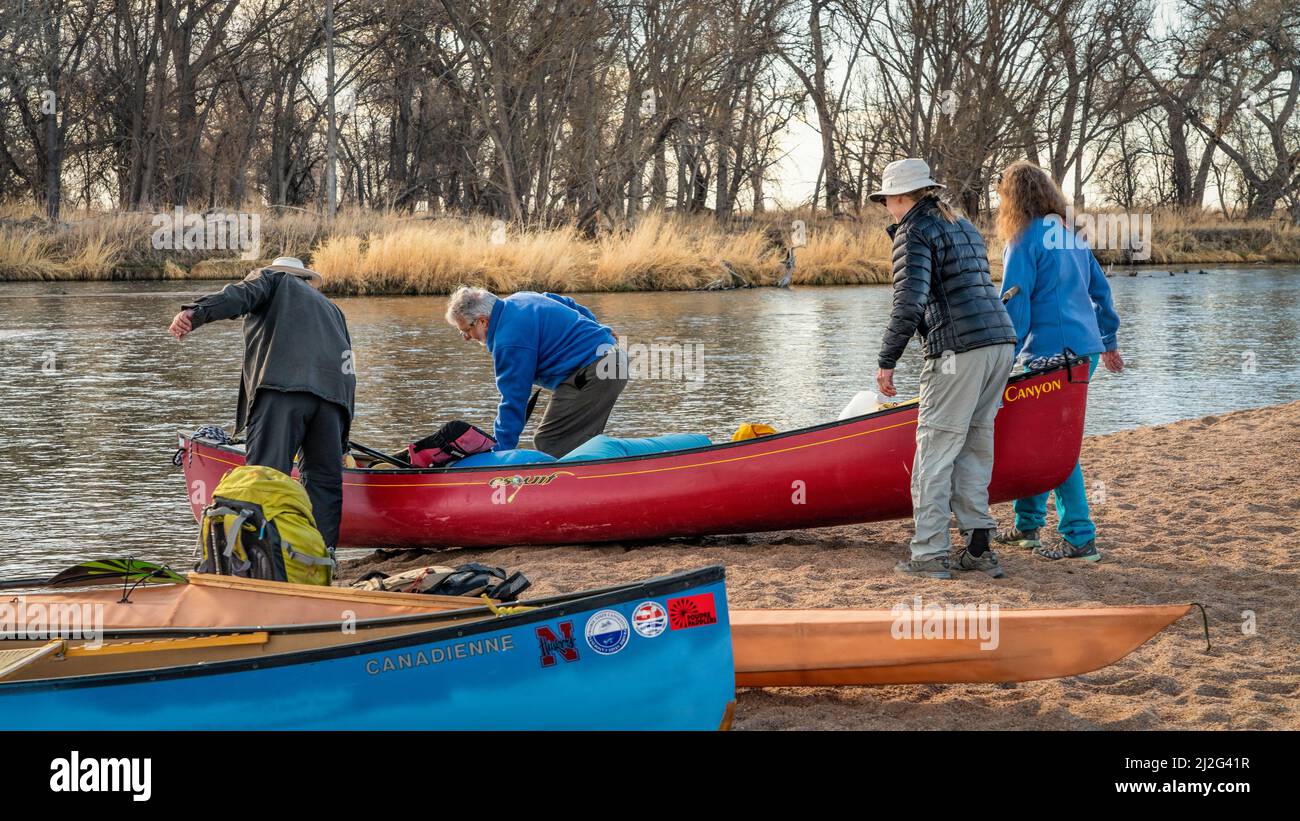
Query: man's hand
[885, 381]
[182, 324]
[1113, 361]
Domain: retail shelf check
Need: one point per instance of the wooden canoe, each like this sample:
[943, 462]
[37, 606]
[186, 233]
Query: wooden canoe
[817, 648]
[771, 648]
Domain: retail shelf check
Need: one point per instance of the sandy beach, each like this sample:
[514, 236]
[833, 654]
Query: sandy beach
[1201, 510]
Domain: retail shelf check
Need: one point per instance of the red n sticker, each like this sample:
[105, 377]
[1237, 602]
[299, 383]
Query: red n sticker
[551, 645]
[692, 611]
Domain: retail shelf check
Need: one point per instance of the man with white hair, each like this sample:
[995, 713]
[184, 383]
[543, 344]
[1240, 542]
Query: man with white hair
[551, 341]
[299, 385]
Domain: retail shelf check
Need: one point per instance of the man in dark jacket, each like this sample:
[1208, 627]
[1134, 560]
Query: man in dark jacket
[298, 386]
[943, 292]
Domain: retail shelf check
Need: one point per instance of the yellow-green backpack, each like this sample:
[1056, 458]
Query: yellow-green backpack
[260, 526]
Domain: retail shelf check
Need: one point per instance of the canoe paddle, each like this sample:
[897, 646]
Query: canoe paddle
[374, 454]
[99, 571]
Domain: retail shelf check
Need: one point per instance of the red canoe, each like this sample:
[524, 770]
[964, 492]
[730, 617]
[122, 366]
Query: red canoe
[855, 470]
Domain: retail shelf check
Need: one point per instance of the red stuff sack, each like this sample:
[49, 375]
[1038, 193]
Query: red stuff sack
[454, 440]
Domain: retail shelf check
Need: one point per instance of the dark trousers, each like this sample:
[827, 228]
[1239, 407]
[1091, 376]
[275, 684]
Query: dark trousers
[580, 406]
[284, 421]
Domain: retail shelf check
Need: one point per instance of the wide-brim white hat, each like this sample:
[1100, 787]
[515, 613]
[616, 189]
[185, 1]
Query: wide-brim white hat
[903, 177]
[293, 265]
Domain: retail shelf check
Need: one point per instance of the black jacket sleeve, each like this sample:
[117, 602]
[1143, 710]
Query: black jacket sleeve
[236, 299]
[913, 268]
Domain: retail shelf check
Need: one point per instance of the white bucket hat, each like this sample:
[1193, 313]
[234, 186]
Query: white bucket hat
[903, 177]
[293, 265]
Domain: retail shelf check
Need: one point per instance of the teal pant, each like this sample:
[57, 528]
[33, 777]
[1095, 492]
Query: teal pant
[1073, 519]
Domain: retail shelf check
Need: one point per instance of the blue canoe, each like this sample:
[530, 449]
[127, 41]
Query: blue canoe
[578, 662]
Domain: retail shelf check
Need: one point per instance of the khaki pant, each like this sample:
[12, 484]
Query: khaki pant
[960, 394]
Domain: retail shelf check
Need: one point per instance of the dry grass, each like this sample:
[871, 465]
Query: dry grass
[373, 252]
[434, 257]
[25, 255]
[840, 256]
[662, 252]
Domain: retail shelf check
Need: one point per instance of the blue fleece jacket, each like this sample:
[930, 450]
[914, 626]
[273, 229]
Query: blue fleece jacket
[1064, 299]
[537, 339]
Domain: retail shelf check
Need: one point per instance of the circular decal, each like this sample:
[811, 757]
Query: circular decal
[649, 619]
[607, 632]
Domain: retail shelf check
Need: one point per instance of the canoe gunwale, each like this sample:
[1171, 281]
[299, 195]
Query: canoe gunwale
[562, 606]
[389, 621]
[186, 439]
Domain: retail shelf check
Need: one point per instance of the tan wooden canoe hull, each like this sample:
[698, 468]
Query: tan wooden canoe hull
[771, 648]
[817, 648]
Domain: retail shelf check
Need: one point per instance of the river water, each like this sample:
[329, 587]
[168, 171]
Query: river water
[94, 389]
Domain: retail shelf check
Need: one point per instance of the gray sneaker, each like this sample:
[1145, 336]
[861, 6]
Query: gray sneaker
[936, 568]
[1019, 538]
[986, 562]
[1062, 549]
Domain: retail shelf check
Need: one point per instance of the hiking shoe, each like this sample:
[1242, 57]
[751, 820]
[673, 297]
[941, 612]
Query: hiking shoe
[1019, 538]
[986, 562]
[936, 568]
[1064, 550]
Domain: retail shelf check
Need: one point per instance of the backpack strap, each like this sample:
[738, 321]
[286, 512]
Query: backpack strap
[327, 561]
[236, 526]
[510, 589]
[233, 522]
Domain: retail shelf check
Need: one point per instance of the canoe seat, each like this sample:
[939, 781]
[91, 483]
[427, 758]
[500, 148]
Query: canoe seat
[155, 645]
[11, 661]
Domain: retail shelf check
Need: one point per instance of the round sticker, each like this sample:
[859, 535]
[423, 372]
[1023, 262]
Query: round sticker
[607, 632]
[649, 619]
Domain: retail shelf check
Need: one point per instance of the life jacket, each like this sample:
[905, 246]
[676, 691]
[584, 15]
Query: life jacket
[260, 526]
[454, 440]
[752, 430]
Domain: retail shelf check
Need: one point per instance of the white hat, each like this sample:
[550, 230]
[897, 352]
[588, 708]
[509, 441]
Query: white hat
[294, 266]
[903, 177]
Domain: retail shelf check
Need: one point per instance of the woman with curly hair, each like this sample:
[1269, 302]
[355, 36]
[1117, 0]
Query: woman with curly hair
[1064, 302]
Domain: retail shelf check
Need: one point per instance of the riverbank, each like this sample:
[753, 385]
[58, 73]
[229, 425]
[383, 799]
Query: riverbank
[376, 253]
[1200, 510]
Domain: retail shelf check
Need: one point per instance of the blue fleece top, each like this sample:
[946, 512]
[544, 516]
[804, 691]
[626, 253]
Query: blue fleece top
[538, 339]
[1064, 299]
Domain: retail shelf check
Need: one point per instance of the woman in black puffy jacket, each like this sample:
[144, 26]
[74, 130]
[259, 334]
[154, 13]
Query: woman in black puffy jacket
[943, 292]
